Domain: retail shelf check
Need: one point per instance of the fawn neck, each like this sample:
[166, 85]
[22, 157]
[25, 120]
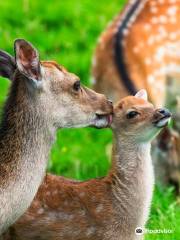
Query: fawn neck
[25, 142]
[132, 175]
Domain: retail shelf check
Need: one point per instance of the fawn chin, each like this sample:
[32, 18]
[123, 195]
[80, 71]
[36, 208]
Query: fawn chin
[111, 207]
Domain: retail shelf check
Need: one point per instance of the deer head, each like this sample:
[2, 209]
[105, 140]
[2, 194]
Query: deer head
[53, 90]
[134, 116]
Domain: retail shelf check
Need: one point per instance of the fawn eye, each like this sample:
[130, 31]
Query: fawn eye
[132, 114]
[77, 86]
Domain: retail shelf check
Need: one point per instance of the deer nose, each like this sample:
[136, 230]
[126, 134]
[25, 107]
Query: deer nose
[110, 101]
[165, 112]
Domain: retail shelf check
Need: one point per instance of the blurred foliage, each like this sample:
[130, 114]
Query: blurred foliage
[67, 31]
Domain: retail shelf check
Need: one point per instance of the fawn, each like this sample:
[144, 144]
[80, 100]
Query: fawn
[108, 208]
[140, 49]
[43, 98]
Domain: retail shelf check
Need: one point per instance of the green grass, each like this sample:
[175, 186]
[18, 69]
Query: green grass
[67, 31]
[165, 214]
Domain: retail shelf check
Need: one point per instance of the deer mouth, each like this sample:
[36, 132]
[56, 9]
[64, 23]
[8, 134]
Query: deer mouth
[102, 120]
[162, 122]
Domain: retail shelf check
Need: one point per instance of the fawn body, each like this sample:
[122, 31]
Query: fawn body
[141, 49]
[108, 208]
[43, 97]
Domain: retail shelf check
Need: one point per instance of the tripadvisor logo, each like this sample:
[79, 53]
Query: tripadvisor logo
[138, 231]
[141, 231]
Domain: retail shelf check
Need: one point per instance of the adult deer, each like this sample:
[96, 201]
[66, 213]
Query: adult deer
[141, 49]
[43, 97]
[108, 208]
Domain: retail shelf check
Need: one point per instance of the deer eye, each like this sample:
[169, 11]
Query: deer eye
[77, 86]
[132, 114]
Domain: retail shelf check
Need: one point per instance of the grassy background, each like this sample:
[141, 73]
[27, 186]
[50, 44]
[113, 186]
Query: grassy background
[67, 31]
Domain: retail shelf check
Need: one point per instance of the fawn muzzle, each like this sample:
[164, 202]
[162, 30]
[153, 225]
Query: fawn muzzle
[161, 117]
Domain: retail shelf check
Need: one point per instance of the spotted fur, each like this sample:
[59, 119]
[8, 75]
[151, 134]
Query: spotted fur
[108, 208]
[140, 49]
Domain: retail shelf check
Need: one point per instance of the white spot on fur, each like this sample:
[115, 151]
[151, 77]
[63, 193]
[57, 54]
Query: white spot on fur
[90, 231]
[132, 19]
[163, 19]
[169, 49]
[168, 69]
[99, 208]
[40, 211]
[162, 31]
[160, 54]
[82, 194]
[154, 9]
[151, 79]
[173, 68]
[125, 32]
[172, 11]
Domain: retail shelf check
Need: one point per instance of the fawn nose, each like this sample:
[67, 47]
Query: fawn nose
[161, 117]
[110, 101]
[164, 112]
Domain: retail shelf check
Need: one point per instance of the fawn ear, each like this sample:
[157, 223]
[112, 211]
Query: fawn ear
[142, 94]
[7, 65]
[27, 60]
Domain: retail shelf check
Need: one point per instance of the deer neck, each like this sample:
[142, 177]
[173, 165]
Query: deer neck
[25, 142]
[133, 178]
[127, 153]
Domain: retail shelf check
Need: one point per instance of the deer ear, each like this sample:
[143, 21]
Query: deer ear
[142, 94]
[7, 65]
[27, 60]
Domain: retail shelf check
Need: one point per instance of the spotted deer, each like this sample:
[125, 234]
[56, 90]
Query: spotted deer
[108, 208]
[43, 98]
[141, 49]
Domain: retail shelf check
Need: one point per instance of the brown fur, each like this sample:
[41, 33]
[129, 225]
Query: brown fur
[108, 208]
[150, 43]
[41, 100]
